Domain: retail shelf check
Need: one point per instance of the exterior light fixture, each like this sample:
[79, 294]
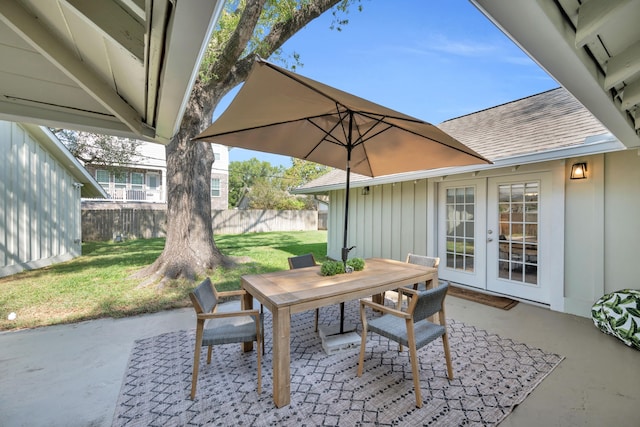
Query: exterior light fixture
[365, 190]
[578, 171]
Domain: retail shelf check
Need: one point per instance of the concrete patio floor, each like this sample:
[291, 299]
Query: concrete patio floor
[71, 375]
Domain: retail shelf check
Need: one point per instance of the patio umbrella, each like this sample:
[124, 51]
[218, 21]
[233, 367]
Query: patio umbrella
[281, 112]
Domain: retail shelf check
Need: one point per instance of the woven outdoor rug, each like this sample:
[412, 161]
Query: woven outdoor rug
[491, 376]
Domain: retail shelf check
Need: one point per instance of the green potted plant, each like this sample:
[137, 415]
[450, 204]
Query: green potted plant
[331, 268]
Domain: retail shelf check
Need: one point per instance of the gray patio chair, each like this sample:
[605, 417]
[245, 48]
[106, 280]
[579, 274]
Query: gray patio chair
[223, 327]
[302, 261]
[427, 261]
[411, 328]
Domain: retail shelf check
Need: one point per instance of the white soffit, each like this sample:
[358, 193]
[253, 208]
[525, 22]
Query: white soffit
[592, 48]
[119, 67]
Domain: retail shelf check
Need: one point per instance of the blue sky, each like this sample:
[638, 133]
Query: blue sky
[431, 59]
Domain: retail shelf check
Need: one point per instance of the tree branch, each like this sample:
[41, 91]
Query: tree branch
[238, 41]
[279, 34]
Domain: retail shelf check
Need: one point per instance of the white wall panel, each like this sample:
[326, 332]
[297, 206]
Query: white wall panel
[384, 223]
[622, 227]
[420, 223]
[389, 222]
[40, 206]
[407, 219]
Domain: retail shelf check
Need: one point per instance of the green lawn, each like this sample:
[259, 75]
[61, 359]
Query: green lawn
[97, 284]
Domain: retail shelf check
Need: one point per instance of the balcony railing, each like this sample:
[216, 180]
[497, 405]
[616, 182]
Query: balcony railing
[143, 194]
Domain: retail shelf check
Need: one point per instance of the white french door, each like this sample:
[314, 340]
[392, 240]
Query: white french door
[462, 225]
[494, 234]
[518, 236]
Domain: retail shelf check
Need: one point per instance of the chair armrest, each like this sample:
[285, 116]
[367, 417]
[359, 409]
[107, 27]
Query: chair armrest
[385, 309]
[228, 314]
[408, 291]
[239, 292]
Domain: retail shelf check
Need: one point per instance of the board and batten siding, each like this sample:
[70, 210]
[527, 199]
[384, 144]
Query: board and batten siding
[388, 222]
[39, 204]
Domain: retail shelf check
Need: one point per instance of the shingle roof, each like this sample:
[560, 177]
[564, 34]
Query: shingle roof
[538, 123]
[541, 122]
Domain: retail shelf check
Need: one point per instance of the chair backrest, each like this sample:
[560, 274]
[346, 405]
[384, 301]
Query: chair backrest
[428, 302]
[427, 261]
[301, 261]
[203, 297]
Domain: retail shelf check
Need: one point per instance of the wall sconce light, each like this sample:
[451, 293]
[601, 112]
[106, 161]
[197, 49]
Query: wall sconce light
[578, 171]
[365, 190]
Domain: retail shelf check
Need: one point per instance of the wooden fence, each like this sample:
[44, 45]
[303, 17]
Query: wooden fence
[322, 220]
[100, 224]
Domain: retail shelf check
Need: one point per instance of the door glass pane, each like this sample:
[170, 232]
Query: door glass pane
[470, 195]
[517, 193]
[460, 228]
[518, 238]
[450, 195]
[504, 196]
[469, 228]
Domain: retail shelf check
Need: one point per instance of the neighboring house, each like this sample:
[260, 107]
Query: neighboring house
[41, 185]
[519, 227]
[145, 179]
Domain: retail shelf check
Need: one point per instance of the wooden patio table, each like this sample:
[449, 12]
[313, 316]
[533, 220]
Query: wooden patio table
[291, 291]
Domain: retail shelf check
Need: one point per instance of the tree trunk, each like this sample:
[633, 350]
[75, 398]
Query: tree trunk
[189, 249]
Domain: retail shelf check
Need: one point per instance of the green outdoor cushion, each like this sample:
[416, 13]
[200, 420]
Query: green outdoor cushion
[618, 314]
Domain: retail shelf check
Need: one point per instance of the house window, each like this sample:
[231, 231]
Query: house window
[137, 180]
[153, 181]
[215, 187]
[216, 156]
[120, 178]
[102, 176]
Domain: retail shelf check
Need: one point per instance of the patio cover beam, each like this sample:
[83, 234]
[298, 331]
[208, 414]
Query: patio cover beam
[113, 22]
[30, 29]
[622, 66]
[593, 15]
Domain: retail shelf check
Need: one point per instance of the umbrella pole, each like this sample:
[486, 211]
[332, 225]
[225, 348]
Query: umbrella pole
[345, 250]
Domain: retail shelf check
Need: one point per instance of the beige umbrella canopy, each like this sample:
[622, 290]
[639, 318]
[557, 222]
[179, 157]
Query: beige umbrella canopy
[281, 112]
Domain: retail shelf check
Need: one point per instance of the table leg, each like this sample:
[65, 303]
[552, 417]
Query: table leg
[247, 304]
[281, 357]
[378, 298]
